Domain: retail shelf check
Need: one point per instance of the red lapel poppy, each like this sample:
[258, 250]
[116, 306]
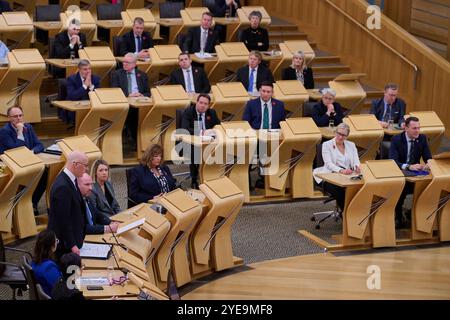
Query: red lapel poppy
[138, 75]
[208, 118]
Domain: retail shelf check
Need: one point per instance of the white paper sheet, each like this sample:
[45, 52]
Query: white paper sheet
[95, 250]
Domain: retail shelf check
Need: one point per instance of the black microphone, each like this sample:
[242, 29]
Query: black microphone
[117, 241]
[124, 270]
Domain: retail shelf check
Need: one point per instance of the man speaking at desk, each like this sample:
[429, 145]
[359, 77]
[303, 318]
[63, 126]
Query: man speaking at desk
[407, 149]
[16, 133]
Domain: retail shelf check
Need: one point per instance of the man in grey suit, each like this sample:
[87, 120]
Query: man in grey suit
[134, 83]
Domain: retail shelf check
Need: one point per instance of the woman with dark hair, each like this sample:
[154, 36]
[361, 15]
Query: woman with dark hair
[103, 195]
[151, 179]
[44, 266]
[65, 288]
[255, 37]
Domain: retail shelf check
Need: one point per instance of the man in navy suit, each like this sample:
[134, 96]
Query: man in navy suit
[4, 6]
[407, 149]
[67, 214]
[389, 108]
[137, 40]
[193, 79]
[96, 222]
[254, 74]
[264, 112]
[202, 38]
[16, 133]
[79, 85]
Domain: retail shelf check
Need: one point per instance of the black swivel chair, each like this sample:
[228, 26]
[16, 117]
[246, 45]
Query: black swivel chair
[46, 13]
[117, 42]
[12, 275]
[330, 213]
[31, 279]
[308, 109]
[169, 10]
[107, 12]
[131, 202]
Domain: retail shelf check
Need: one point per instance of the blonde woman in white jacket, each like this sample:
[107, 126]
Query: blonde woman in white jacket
[339, 155]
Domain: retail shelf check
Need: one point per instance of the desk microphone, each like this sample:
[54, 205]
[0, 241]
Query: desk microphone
[115, 239]
[124, 270]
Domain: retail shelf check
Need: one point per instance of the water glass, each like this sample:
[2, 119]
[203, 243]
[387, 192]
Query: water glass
[331, 124]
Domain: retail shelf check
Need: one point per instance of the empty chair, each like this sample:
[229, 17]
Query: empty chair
[31, 279]
[107, 12]
[117, 41]
[308, 109]
[46, 13]
[169, 10]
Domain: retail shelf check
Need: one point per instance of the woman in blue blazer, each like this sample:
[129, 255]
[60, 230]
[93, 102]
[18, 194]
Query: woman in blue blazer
[45, 269]
[150, 179]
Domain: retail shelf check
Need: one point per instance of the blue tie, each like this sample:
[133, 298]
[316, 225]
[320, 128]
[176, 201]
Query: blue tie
[139, 47]
[89, 214]
[251, 80]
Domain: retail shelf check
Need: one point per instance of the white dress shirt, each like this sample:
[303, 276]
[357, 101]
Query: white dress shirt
[269, 106]
[71, 176]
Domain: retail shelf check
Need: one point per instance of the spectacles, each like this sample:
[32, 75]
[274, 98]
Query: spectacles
[17, 116]
[342, 134]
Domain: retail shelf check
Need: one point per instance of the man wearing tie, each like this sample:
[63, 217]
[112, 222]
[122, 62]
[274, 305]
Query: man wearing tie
[254, 74]
[134, 83]
[390, 107]
[137, 40]
[96, 222]
[264, 112]
[16, 133]
[203, 38]
[407, 149]
[193, 79]
[80, 84]
[198, 119]
[68, 43]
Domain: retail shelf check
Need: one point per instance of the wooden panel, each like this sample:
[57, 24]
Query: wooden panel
[337, 34]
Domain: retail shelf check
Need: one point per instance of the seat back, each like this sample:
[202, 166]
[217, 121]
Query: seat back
[41, 294]
[308, 109]
[168, 10]
[211, 5]
[318, 161]
[62, 89]
[31, 279]
[109, 12]
[117, 42]
[51, 44]
[131, 202]
[48, 13]
[181, 38]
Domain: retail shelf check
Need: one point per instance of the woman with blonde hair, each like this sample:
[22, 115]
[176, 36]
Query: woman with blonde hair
[151, 179]
[103, 195]
[298, 70]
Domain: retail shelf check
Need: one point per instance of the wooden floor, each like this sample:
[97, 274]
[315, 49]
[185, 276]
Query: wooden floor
[408, 274]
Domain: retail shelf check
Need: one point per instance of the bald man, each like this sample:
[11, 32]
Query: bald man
[67, 209]
[96, 222]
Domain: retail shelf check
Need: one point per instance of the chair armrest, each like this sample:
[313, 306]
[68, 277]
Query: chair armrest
[19, 250]
[15, 265]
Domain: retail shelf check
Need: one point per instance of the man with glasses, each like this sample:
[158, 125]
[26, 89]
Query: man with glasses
[67, 214]
[134, 83]
[16, 133]
[67, 43]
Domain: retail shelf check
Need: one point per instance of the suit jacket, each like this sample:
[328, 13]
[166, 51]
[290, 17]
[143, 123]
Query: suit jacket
[8, 139]
[144, 186]
[263, 74]
[98, 218]
[398, 150]
[220, 7]
[128, 44]
[321, 118]
[201, 82]
[192, 41]
[251, 37]
[290, 74]
[190, 117]
[4, 6]
[330, 153]
[61, 48]
[398, 109]
[253, 114]
[75, 90]
[119, 79]
[98, 198]
[67, 214]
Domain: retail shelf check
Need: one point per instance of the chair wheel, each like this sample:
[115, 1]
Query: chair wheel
[317, 226]
[313, 218]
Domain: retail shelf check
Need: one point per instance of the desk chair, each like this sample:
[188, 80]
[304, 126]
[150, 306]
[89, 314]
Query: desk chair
[65, 115]
[169, 10]
[46, 13]
[131, 203]
[31, 279]
[117, 41]
[308, 111]
[107, 12]
[12, 275]
[327, 214]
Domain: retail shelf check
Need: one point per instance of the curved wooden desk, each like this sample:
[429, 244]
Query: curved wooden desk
[230, 99]
[16, 29]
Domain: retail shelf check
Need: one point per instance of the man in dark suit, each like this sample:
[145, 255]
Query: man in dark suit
[81, 83]
[67, 214]
[68, 43]
[407, 149]
[264, 112]
[16, 133]
[255, 73]
[198, 120]
[193, 79]
[134, 83]
[390, 107]
[137, 40]
[203, 38]
[4, 6]
[96, 222]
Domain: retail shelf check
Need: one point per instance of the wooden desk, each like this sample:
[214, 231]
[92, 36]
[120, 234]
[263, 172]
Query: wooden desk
[174, 25]
[81, 108]
[392, 131]
[16, 29]
[69, 65]
[52, 27]
[327, 132]
[208, 63]
[232, 25]
[128, 290]
[314, 94]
